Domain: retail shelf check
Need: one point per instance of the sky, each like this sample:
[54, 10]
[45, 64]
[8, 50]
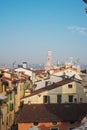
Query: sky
[31, 28]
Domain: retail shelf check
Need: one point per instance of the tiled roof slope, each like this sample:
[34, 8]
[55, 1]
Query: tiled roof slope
[51, 112]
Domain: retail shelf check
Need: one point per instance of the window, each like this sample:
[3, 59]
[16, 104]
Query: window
[59, 98]
[85, 87]
[55, 128]
[11, 106]
[54, 123]
[75, 100]
[36, 123]
[70, 98]
[80, 99]
[15, 90]
[46, 99]
[70, 86]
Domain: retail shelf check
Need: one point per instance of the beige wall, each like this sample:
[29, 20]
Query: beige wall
[76, 91]
[49, 125]
[10, 109]
[35, 99]
[4, 117]
[20, 93]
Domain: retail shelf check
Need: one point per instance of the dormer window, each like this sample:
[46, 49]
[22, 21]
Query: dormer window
[70, 86]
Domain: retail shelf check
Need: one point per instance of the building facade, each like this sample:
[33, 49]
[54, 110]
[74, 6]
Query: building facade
[65, 91]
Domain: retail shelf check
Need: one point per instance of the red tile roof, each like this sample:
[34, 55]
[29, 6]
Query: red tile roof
[40, 71]
[6, 79]
[51, 112]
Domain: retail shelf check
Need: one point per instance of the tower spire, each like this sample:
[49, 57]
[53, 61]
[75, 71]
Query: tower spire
[48, 65]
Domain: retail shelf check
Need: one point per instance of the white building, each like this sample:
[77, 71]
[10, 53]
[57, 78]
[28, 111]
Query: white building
[28, 72]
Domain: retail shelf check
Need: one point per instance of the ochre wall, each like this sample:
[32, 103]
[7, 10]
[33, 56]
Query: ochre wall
[47, 126]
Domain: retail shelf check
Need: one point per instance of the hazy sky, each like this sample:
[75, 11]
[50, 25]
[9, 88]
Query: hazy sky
[30, 28]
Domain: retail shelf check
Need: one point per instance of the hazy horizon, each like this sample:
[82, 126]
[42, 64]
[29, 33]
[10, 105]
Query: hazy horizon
[30, 28]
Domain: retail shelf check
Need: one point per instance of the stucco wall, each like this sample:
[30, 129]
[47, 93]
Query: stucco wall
[49, 125]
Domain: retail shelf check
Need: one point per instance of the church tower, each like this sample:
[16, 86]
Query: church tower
[48, 65]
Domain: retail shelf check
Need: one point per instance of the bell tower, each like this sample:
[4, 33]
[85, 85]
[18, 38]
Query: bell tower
[48, 65]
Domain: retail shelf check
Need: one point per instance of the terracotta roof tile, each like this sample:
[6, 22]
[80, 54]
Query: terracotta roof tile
[51, 112]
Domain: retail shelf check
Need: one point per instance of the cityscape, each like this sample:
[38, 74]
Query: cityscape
[43, 65]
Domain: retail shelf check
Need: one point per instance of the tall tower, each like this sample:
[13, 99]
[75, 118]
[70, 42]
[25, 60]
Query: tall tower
[48, 65]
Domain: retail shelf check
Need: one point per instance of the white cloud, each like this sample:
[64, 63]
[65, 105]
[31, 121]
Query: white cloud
[82, 30]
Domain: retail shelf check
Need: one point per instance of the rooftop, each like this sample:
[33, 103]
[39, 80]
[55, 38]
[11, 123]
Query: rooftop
[51, 112]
